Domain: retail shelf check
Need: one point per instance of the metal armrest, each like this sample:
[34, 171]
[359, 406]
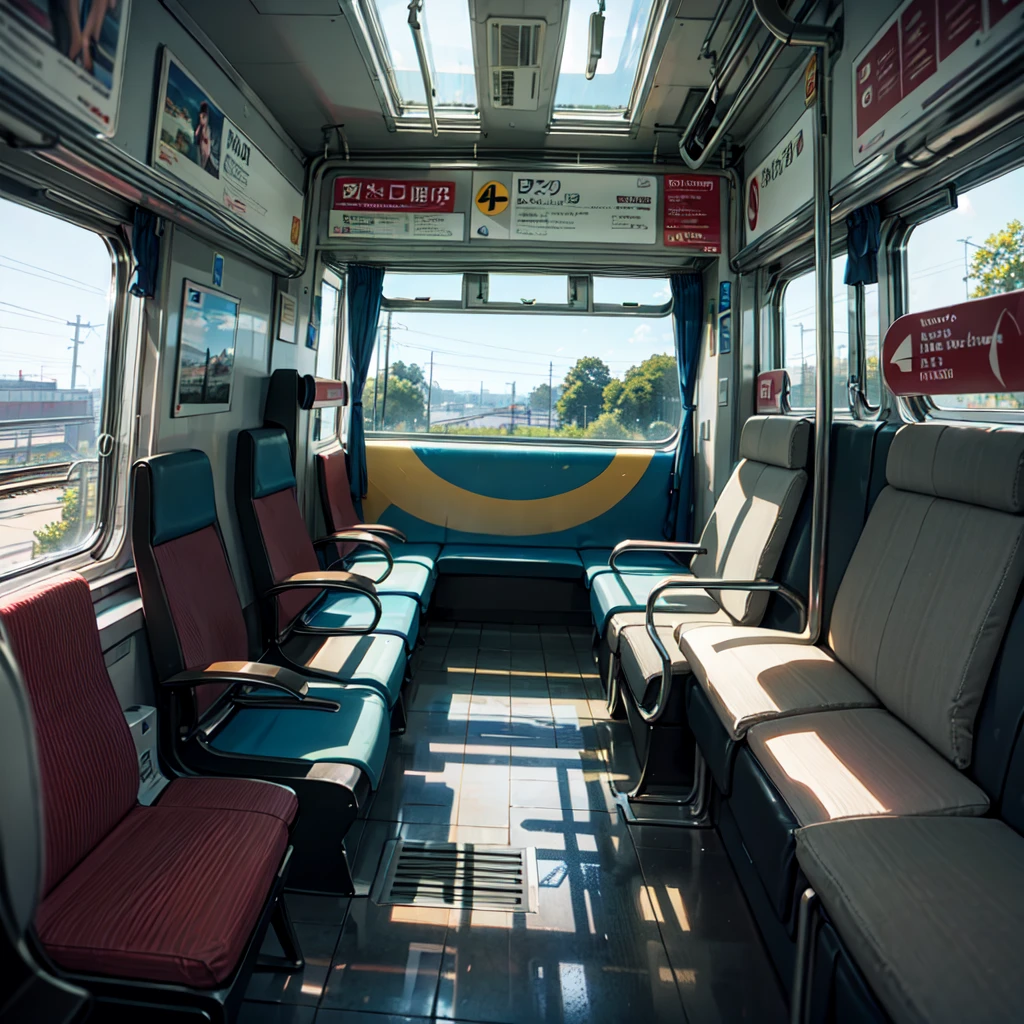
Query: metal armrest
[341, 582]
[255, 673]
[669, 547]
[651, 715]
[361, 538]
[383, 531]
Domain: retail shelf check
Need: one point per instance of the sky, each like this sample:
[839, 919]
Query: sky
[492, 349]
[51, 271]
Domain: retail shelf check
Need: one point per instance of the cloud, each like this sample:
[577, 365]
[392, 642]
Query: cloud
[964, 206]
[641, 335]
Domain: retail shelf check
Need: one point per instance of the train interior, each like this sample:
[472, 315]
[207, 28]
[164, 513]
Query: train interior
[511, 511]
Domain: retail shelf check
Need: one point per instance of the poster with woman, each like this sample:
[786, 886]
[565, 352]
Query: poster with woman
[70, 51]
[190, 125]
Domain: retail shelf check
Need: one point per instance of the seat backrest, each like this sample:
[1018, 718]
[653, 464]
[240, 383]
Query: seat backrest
[275, 534]
[752, 518]
[336, 498]
[925, 601]
[88, 770]
[193, 613]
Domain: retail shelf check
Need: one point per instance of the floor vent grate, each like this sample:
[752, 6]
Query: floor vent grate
[420, 874]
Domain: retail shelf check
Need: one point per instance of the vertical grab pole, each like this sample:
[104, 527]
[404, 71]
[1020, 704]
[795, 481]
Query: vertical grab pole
[821, 38]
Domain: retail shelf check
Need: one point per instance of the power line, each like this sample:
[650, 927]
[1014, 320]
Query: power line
[35, 314]
[53, 273]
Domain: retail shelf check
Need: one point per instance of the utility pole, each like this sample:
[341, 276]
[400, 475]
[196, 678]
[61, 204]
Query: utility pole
[430, 390]
[76, 341]
[376, 378]
[387, 363]
[551, 367]
[966, 242]
[803, 369]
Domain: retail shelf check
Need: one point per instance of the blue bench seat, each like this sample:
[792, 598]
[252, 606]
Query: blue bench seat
[510, 560]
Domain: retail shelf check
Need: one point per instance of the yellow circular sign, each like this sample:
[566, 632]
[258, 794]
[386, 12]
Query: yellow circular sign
[492, 198]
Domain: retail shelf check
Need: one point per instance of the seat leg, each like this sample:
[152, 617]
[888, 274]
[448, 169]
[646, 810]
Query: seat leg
[293, 961]
[692, 805]
[616, 709]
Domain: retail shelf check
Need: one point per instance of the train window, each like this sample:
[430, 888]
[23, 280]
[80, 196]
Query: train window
[478, 373]
[423, 287]
[970, 252]
[546, 289]
[55, 297]
[325, 421]
[872, 366]
[799, 334]
[628, 292]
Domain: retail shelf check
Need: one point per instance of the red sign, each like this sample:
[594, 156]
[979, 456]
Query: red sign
[878, 80]
[329, 392]
[958, 21]
[693, 212]
[999, 9]
[971, 348]
[394, 196]
[772, 389]
[919, 57]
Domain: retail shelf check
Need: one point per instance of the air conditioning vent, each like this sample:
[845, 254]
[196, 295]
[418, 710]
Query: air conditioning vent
[514, 62]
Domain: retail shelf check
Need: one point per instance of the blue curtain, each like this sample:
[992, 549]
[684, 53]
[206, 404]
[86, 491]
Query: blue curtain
[146, 252]
[365, 286]
[863, 236]
[687, 313]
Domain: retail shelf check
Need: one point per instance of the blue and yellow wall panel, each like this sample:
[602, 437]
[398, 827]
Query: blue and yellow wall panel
[507, 494]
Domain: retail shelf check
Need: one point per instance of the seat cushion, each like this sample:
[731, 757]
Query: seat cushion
[410, 579]
[843, 764]
[410, 552]
[615, 592]
[378, 660]
[930, 909]
[595, 562]
[753, 675]
[624, 620]
[216, 794]
[171, 895]
[358, 734]
[641, 663]
[400, 615]
[509, 560]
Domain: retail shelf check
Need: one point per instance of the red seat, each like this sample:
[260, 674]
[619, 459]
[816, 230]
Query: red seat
[171, 895]
[168, 893]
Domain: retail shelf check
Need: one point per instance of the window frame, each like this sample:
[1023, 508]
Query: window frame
[332, 279]
[118, 406]
[646, 312]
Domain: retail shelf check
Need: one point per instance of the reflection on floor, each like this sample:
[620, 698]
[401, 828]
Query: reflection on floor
[508, 743]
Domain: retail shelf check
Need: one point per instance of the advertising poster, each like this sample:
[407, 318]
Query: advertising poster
[916, 58]
[693, 212]
[206, 351]
[195, 142]
[69, 51]
[590, 208]
[395, 208]
[287, 317]
[782, 183]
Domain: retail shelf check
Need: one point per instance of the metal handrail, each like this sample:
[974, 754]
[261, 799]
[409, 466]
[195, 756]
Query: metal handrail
[415, 6]
[651, 715]
[661, 546]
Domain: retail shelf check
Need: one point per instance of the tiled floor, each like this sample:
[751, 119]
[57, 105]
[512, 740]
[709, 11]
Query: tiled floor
[508, 743]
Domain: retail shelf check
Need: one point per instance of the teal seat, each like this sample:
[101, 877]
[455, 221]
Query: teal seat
[614, 592]
[357, 734]
[407, 553]
[400, 615]
[595, 562]
[510, 560]
[408, 579]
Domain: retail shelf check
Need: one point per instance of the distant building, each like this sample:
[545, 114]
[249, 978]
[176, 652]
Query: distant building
[43, 423]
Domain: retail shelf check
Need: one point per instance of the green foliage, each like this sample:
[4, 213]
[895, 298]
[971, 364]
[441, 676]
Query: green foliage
[411, 372]
[659, 430]
[405, 405]
[646, 393]
[999, 266]
[583, 389]
[608, 427]
[539, 398]
[53, 536]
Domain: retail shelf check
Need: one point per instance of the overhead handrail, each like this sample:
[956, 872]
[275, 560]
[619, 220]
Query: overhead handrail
[790, 31]
[415, 6]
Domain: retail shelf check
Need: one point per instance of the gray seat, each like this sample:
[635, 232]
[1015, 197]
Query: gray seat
[920, 612]
[929, 908]
[744, 539]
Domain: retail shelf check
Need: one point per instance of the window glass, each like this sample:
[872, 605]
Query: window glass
[55, 282]
[481, 374]
[799, 337]
[423, 286]
[325, 421]
[647, 291]
[609, 91]
[873, 370]
[449, 44]
[968, 253]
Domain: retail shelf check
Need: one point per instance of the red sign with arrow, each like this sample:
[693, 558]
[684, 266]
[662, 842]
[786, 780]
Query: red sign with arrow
[974, 347]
